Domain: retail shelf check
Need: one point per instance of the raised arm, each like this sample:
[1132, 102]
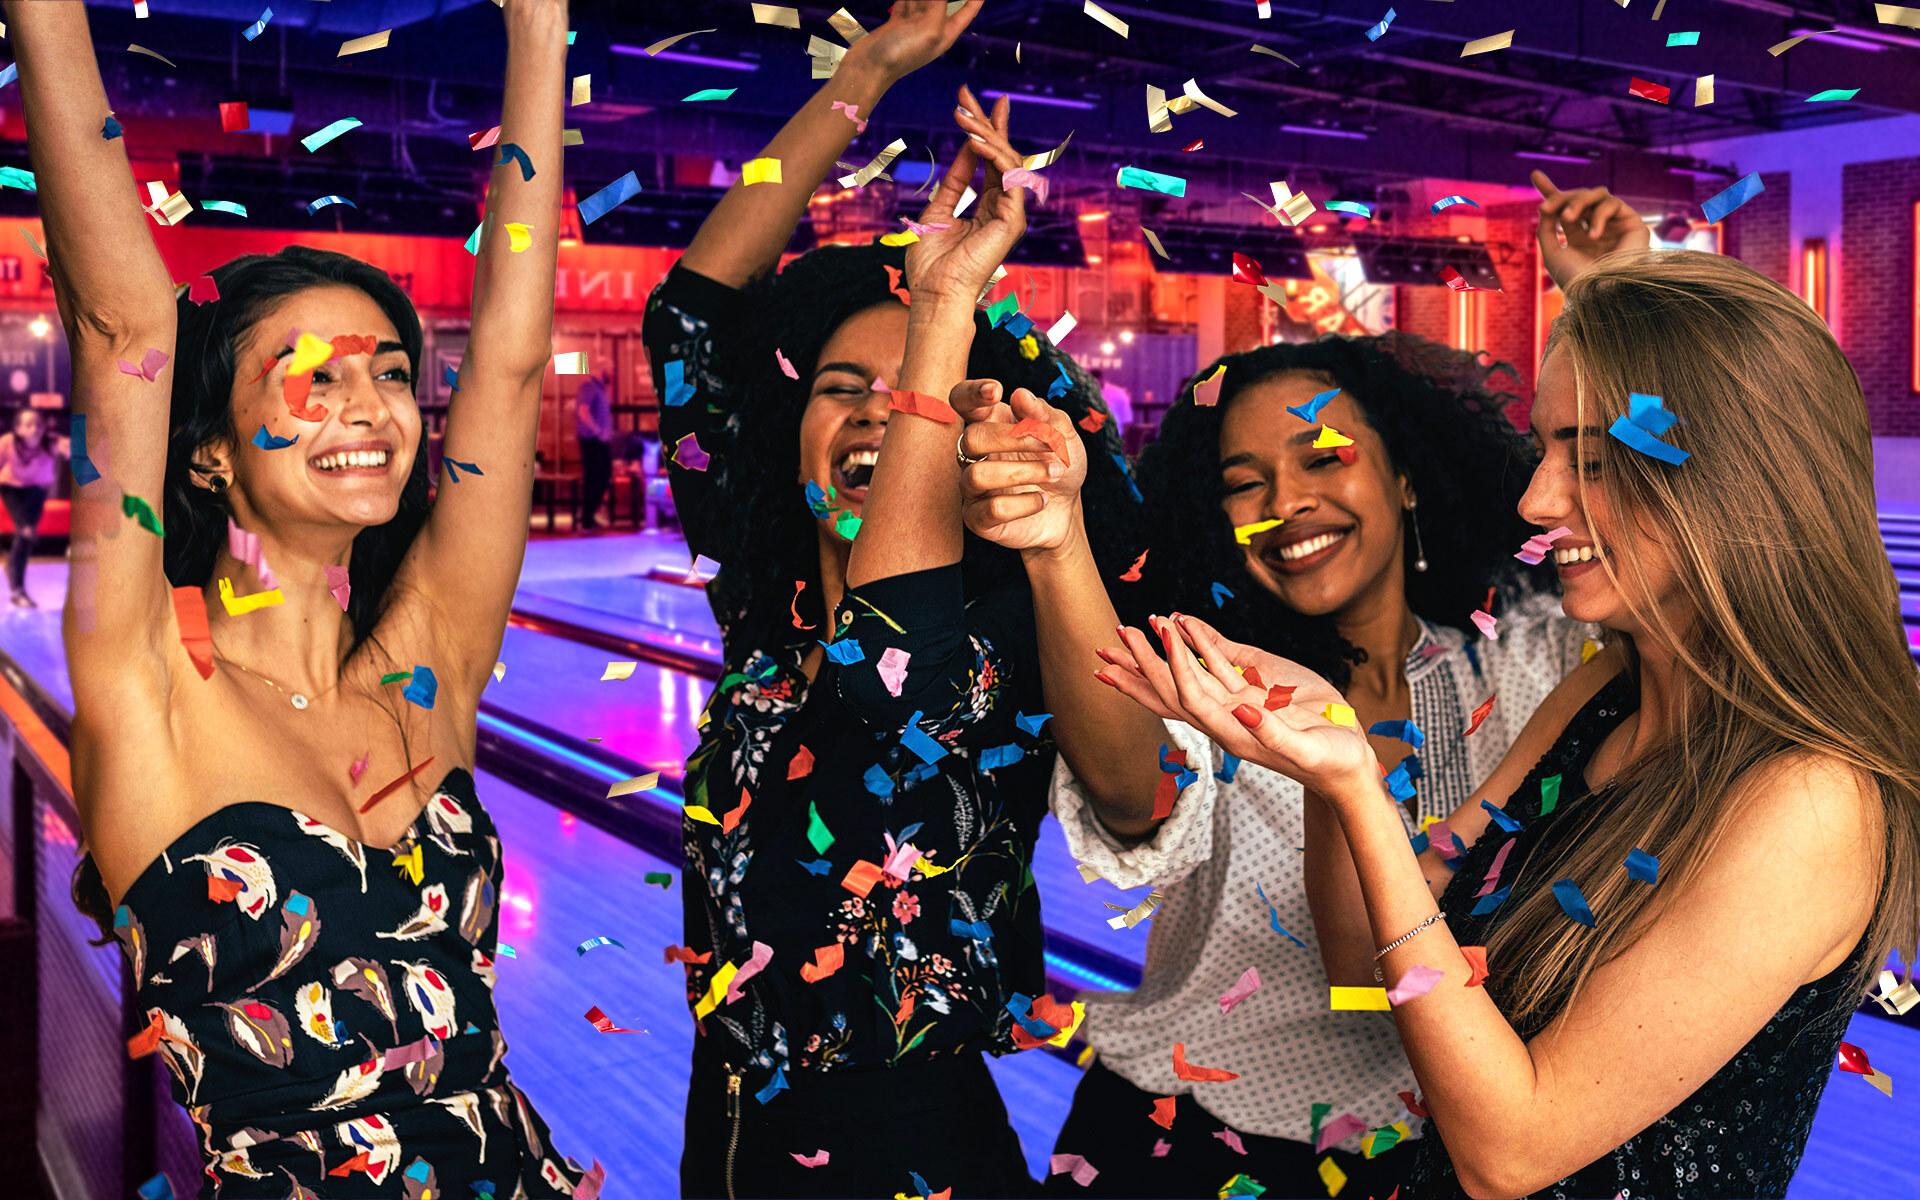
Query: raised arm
[116, 302]
[742, 238]
[468, 556]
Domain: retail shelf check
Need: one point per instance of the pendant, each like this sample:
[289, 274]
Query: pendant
[298, 701]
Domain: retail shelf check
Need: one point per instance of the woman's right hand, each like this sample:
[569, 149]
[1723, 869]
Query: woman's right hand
[1594, 221]
[1022, 494]
[916, 33]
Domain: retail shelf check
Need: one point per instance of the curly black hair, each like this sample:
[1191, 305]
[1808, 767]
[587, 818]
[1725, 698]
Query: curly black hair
[770, 531]
[1442, 416]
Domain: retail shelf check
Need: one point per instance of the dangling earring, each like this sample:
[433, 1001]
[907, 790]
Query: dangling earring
[1419, 547]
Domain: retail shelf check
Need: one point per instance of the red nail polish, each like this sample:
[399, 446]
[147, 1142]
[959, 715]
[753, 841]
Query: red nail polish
[1247, 715]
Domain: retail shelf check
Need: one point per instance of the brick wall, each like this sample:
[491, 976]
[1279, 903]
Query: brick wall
[1875, 288]
[1760, 233]
[1510, 311]
[1242, 324]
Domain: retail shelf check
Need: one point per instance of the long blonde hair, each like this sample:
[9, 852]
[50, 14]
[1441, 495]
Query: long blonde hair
[1794, 641]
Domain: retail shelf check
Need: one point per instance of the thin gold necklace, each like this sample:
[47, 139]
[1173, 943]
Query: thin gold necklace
[299, 700]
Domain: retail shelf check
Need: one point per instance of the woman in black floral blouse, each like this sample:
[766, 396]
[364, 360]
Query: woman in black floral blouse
[861, 922]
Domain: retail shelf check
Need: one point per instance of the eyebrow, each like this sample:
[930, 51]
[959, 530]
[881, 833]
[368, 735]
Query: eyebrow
[378, 350]
[847, 367]
[1303, 438]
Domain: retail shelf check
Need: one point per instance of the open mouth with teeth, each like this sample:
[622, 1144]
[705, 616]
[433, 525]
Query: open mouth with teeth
[853, 471]
[1576, 554]
[1304, 554]
[343, 461]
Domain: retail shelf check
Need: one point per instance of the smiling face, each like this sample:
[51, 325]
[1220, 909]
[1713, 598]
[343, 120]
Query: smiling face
[27, 427]
[347, 468]
[1343, 523]
[845, 417]
[1553, 499]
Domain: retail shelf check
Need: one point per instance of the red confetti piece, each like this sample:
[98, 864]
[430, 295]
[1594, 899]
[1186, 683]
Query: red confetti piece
[1197, 1074]
[1034, 427]
[1646, 89]
[1479, 714]
[1057, 1013]
[1476, 957]
[799, 585]
[801, 764]
[1093, 422]
[190, 614]
[1414, 1104]
[395, 786]
[862, 877]
[1164, 794]
[604, 1023]
[1346, 454]
[1252, 676]
[1854, 1060]
[1278, 697]
[295, 389]
[1248, 270]
[919, 404]
[233, 116]
[1162, 1114]
[1198, 144]
[681, 954]
[1132, 574]
[203, 290]
[893, 285]
[730, 820]
[826, 960]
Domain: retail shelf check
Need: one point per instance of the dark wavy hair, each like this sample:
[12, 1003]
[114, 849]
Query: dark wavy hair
[207, 347]
[1441, 414]
[769, 537]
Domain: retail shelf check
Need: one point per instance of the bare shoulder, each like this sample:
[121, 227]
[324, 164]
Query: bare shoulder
[1812, 804]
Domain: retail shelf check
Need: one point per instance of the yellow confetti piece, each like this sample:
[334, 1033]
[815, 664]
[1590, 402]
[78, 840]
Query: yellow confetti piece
[499, 671]
[844, 24]
[1040, 162]
[1085, 1057]
[664, 43]
[1342, 714]
[1244, 534]
[308, 353]
[1330, 438]
[1359, 999]
[138, 49]
[238, 606]
[573, 362]
[1779, 48]
[360, 45]
[167, 208]
[760, 170]
[1153, 239]
[519, 236]
[1703, 91]
[1270, 52]
[572, 137]
[1588, 649]
[1080, 1014]
[1886, 14]
[1883, 1081]
[1105, 18]
[582, 90]
[906, 237]
[1192, 89]
[644, 783]
[619, 670]
[699, 813]
[776, 14]
[1029, 348]
[1487, 45]
[716, 991]
[1332, 1176]
[872, 170]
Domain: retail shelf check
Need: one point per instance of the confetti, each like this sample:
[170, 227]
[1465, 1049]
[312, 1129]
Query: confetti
[1339, 1129]
[321, 137]
[581, 92]
[1153, 240]
[1479, 715]
[512, 150]
[1646, 89]
[1152, 181]
[1244, 534]
[153, 54]
[142, 514]
[1232, 1140]
[1192, 1074]
[110, 129]
[1703, 91]
[826, 960]
[338, 584]
[594, 943]
[760, 170]
[659, 879]
[190, 614]
[360, 45]
[604, 1023]
[705, 94]
[1476, 957]
[819, 1158]
[321, 202]
[1083, 1172]
[846, 26]
[395, 786]
[639, 783]
[1105, 18]
[1573, 902]
[1642, 866]
[1330, 438]
[1683, 39]
[1246, 985]
[1894, 14]
[422, 688]
[1779, 48]
[618, 670]
[1164, 1109]
[1358, 999]
[1417, 982]
[1646, 420]
[1353, 208]
[1485, 623]
[852, 112]
[225, 206]
[892, 669]
[1534, 552]
[1379, 31]
[872, 170]
[609, 197]
[1833, 94]
[688, 454]
[258, 27]
[1257, 48]
[665, 43]
[1487, 45]
[1342, 715]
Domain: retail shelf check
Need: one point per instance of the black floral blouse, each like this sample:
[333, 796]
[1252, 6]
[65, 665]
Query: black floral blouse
[326, 1007]
[875, 839]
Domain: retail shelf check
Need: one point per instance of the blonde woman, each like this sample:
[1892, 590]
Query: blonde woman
[1707, 835]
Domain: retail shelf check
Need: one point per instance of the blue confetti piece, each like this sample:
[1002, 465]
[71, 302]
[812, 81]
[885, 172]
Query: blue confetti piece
[452, 463]
[423, 687]
[482, 1187]
[1420, 842]
[995, 757]
[507, 951]
[1649, 413]
[1690, 38]
[1018, 325]
[266, 441]
[920, 1185]
[159, 1187]
[1273, 917]
[1310, 411]
[1151, 181]
[15, 177]
[709, 94]
[1229, 767]
[1020, 1006]
[1405, 731]
[846, 651]
[10, 74]
[916, 775]
[1833, 94]
[1399, 783]
[1642, 866]
[916, 740]
[451, 374]
[679, 391]
[321, 137]
[1062, 382]
[878, 781]
[1506, 823]
[1126, 472]
[594, 943]
[1378, 31]
[1414, 769]
[112, 129]
[1353, 208]
[609, 197]
[84, 472]
[326, 201]
[1641, 428]
[816, 500]
[1030, 725]
[1744, 189]
[975, 931]
[1573, 902]
[258, 27]
[818, 866]
[1491, 901]
[1221, 594]
[774, 1087]
[512, 150]
[1449, 201]
[226, 206]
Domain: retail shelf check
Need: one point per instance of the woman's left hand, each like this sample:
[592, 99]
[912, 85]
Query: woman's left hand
[955, 258]
[1298, 739]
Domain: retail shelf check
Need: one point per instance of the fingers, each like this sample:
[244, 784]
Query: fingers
[997, 438]
[1196, 687]
[972, 398]
[1217, 659]
[958, 21]
[999, 474]
[953, 185]
[1544, 185]
[986, 513]
[1131, 684]
[1153, 669]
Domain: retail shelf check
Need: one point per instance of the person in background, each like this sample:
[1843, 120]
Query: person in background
[1118, 400]
[26, 476]
[593, 421]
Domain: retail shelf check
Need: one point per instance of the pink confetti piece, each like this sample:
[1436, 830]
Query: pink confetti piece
[1536, 547]
[1417, 982]
[480, 141]
[1493, 872]
[853, 114]
[1083, 1172]
[892, 669]
[1337, 1130]
[339, 582]
[604, 1023]
[246, 547]
[880, 385]
[1484, 622]
[590, 1184]
[1021, 177]
[818, 1158]
[920, 230]
[1232, 1140]
[756, 962]
[1161, 1147]
[688, 454]
[786, 364]
[358, 767]
[900, 860]
[149, 368]
[1248, 984]
[203, 289]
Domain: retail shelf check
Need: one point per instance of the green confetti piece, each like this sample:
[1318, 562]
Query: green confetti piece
[1152, 181]
[818, 835]
[1549, 794]
[225, 206]
[1384, 1139]
[660, 877]
[1833, 94]
[1683, 39]
[1002, 308]
[473, 239]
[142, 512]
[395, 677]
[846, 525]
[710, 94]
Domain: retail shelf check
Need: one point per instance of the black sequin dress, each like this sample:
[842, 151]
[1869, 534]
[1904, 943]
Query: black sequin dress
[1743, 1131]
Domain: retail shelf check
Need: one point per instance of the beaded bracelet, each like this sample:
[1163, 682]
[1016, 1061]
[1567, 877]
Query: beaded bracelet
[1402, 940]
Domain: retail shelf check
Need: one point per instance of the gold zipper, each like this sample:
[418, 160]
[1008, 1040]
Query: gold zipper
[733, 1124]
